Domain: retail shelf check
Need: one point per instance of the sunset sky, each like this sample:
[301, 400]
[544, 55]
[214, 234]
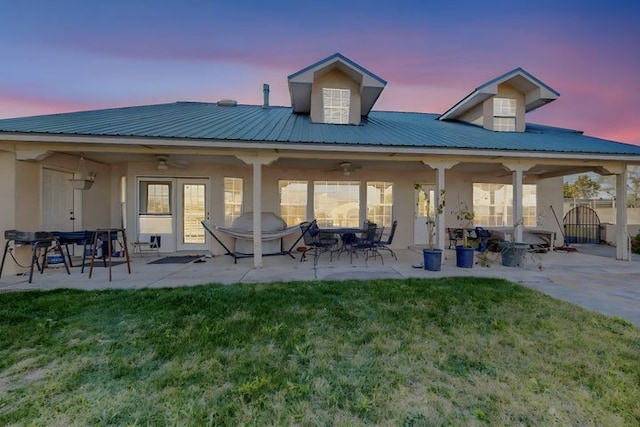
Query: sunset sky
[69, 55]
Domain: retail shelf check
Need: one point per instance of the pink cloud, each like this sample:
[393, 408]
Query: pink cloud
[18, 106]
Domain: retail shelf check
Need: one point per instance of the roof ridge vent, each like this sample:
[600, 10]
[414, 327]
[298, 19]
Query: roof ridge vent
[227, 103]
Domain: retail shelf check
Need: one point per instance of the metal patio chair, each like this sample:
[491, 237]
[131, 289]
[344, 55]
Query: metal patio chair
[386, 244]
[315, 241]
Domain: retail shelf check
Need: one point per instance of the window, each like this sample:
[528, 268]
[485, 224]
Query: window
[232, 200]
[336, 105]
[504, 114]
[380, 203]
[293, 201]
[337, 203]
[155, 198]
[493, 205]
[154, 214]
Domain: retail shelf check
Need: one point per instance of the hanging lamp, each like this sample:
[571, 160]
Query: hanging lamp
[82, 179]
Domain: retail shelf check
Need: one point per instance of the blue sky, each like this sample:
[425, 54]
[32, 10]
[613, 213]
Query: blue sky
[73, 55]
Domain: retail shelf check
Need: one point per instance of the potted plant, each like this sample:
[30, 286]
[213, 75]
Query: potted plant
[465, 252]
[432, 256]
[513, 253]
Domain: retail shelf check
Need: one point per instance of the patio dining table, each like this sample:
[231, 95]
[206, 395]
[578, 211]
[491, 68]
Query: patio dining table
[341, 231]
[348, 236]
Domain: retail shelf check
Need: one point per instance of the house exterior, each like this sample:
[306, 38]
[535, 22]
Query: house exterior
[161, 169]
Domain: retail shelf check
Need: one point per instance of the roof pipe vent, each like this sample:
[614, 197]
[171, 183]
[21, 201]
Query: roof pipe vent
[227, 103]
[265, 95]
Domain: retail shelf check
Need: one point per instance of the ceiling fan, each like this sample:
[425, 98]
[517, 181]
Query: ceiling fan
[164, 163]
[346, 168]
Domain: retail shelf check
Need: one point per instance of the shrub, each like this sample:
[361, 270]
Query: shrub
[635, 244]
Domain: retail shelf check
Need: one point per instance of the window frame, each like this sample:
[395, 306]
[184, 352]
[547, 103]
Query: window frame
[144, 197]
[235, 207]
[352, 188]
[336, 105]
[529, 211]
[505, 112]
[288, 217]
[386, 217]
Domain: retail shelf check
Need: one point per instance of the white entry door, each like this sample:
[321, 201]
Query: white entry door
[58, 213]
[420, 235]
[193, 207]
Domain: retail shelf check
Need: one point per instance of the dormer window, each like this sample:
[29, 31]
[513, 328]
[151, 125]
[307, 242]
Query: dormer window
[504, 115]
[336, 103]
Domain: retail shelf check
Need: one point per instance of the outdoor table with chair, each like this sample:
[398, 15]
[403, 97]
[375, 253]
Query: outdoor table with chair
[359, 241]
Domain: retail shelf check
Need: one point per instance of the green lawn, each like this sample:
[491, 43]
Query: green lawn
[458, 351]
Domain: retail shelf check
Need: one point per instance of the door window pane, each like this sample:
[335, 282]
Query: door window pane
[194, 211]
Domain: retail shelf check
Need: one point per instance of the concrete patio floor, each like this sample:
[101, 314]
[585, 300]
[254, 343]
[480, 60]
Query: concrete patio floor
[590, 277]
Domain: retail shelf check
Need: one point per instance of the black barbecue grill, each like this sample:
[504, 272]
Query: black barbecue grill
[40, 242]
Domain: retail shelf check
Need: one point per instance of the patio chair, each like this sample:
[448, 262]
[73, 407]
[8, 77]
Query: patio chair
[455, 236]
[151, 246]
[315, 241]
[385, 244]
[368, 244]
[483, 236]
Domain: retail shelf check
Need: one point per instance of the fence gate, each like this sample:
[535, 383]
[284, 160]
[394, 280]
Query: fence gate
[581, 225]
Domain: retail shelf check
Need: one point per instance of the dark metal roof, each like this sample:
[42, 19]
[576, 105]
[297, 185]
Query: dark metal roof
[248, 123]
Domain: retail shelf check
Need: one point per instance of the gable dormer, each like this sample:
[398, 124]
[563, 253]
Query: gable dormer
[334, 90]
[502, 103]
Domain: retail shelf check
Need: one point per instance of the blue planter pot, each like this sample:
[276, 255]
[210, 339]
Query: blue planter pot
[432, 259]
[464, 257]
[513, 254]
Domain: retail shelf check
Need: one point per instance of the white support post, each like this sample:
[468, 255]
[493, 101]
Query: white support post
[257, 214]
[440, 168]
[622, 235]
[517, 204]
[440, 234]
[257, 161]
[518, 169]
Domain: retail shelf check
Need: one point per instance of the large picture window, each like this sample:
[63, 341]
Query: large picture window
[337, 203]
[380, 203]
[493, 205]
[232, 200]
[293, 201]
[336, 103]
